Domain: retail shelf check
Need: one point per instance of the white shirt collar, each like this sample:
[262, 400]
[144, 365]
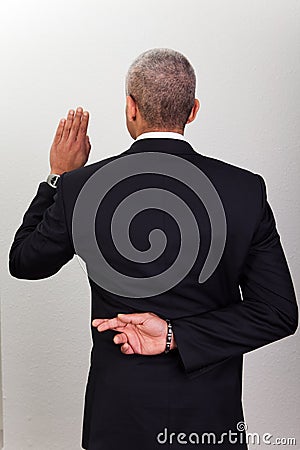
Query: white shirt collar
[161, 135]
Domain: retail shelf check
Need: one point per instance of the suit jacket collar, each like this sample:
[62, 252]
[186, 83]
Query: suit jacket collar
[161, 145]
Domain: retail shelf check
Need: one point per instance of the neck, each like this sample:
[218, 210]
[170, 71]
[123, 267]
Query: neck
[143, 130]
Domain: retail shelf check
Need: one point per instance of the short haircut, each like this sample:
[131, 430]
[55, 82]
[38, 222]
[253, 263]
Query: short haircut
[163, 84]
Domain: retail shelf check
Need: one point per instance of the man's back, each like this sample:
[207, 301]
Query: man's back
[133, 398]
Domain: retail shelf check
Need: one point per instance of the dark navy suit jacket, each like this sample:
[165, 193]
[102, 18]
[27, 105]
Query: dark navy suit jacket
[133, 401]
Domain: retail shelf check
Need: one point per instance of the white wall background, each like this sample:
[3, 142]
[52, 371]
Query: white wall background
[56, 55]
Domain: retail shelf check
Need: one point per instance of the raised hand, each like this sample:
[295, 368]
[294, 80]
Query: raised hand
[71, 146]
[141, 333]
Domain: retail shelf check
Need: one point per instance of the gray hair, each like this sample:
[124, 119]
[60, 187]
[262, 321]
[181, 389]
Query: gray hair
[163, 83]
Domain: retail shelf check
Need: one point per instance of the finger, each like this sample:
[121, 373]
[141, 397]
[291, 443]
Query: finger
[76, 124]
[122, 328]
[127, 349]
[83, 125]
[59, 131]
[135, 318]
[97, 322]
[120, 338]
[68, 124]
[110, 324]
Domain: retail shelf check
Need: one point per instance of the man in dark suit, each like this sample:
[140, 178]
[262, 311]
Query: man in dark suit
[185, 264]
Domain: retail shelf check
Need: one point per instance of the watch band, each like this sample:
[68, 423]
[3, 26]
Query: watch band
[52, 179]
[169, 336]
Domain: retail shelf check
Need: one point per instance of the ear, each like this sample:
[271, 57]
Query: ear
[194, 111]
[131, 109]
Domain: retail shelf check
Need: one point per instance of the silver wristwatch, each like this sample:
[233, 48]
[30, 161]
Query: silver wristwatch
[52, 179]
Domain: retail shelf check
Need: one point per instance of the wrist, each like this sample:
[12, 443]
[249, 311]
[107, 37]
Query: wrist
[56, 172]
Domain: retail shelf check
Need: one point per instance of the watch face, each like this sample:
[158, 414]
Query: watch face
[53, 180]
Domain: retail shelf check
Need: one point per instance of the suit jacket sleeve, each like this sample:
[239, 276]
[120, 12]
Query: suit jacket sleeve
[267, 313]
[42, 244]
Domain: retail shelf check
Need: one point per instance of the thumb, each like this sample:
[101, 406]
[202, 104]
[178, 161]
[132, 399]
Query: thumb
[87, 143]
[135, 318]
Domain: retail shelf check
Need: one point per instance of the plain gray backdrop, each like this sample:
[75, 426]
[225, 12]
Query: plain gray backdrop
[57, 55]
